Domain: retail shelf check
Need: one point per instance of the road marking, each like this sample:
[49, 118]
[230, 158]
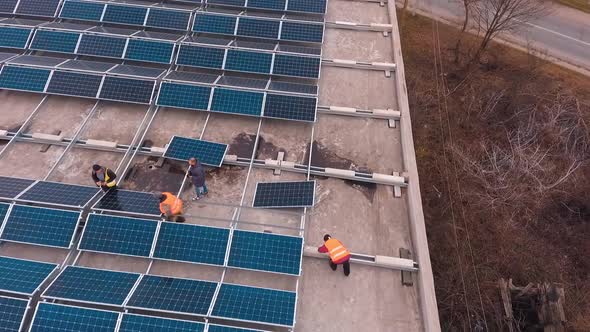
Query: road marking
[557, 33]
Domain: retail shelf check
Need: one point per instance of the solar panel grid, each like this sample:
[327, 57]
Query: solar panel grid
[3, 210]
[173, 295]
[26, 79]
[184, 148]
[267, 4]
[89, 11]
[23, 276]
[129, 201]
[138, 71]
[136, 323]
[13, 37]
[127, 89]
[303, 32]
[284, 194]
[255, 305]
[8, 6]
[149, 51]
[192, 243]
[224, 328]
[10, 187]
[293, 87]
[297, 66]
[184, 96]
[237, 102]
[234, 3]
[251, 27]
[214, 24]
[61, 318]
[12, 312]
[118, 235]
[103, 46]
[266, 252]
[308, 6]
[168, 19]
[74, 84]
[290, 107]
[196, 56]
[59, 193]
[55, 41]
[92, 286]
[45, 8]
[41, 226]
[252, 62]
[133, 15]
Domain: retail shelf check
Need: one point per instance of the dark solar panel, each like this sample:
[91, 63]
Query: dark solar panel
[251, 27]
[168, 19]
[11, 187]
[55, 41]
[82, 10]
[118, 235]
[102, 46]
[184, 96]
[214, 24]
[7, 6]
[74, 84]
[127, 89]
[252, 62]
[124, 14]
[130, 201]
[284, 194]
[184, 76]
[304, 32]
[296, 66]
[141, 71]
[267, 4]
[47, 8]
[59, 193]
[290, 107]
[293, 87]
[197, 56]
[137, 323]
[173, 295]
[149, 51]
[235, 3]
[308, 6]
[12, 312]
[91, 285]
[23, 276]
[208, 153]
[36, 60]
[25, 79]
[13, 37]
[237, 102]
[85, 65]
[51, 317]
[3, 210]
[41, 226]
[255, 305]
[191, 243]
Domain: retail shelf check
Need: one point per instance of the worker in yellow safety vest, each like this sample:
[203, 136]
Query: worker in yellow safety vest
[171, 207]
[104, 177]
[338, 253]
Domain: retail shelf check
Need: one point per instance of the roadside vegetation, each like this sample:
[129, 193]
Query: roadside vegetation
[503, 148]
[582, 5]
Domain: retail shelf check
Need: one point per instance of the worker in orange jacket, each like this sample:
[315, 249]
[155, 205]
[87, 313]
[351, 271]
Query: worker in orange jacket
[171, 207]
[338, 253]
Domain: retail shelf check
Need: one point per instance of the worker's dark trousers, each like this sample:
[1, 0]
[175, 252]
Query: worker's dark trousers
[346, 266]
[105, 188]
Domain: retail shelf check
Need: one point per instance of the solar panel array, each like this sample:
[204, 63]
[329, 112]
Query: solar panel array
[15, 37]
[59, 194]
[284, 194]
[12, 313]
[133, 202]
[50, 317]
[10, 187]
[22, 276]
[184, 148]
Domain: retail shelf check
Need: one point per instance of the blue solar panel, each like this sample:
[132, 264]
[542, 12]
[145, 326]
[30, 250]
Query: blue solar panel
[89, 11]
[192, 243]
[12, 37]
[208, 153]
[124, 14]
[12, 312]
[20, 78]
[42, 226]
[3, 210]
[118, 235]
[55, 41]
[46, 8]
[252, 27]
[297, 66]
[61, 318]
[307, 6]
[290, 107]
[255, 305]
[252, 62]
[102, 46]
[137, 323]
[168, 19]
[223, 328]
[197, 56]
[234, 3]
[214, 24]
[173, 295]
[267, 4]
[237, 102]
[266, 252]
[303, 32]
[184, 96]
[59, 193]
[284, 194]
[23, 276]
[7, 6]
[130, 201]
[11, 187]
[74, 84]
[150, 51]
[92, 285]
[127, 89]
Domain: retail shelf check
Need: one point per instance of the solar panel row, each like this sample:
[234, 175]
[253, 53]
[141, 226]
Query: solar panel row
[302, 6]
[43, 8]
[14, 37]
[165, 294]
[109, 46]
[22, 276]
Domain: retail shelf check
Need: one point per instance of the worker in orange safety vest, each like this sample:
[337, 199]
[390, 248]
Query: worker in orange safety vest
[171, 207]
[338, 253]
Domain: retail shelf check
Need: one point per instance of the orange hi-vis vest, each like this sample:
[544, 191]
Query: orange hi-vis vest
[174, 203]
[336, 250]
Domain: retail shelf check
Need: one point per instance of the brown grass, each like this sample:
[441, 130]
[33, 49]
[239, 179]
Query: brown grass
[515, 127]
[582, 5]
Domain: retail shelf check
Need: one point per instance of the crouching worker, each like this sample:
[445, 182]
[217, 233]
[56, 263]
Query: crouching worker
[171, 207]
[104, 178]
[339, 255]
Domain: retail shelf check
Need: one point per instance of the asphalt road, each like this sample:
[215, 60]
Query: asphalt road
[564, 33]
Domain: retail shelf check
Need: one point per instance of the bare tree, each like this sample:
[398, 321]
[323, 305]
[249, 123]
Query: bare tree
[467, 4]
[499, 16]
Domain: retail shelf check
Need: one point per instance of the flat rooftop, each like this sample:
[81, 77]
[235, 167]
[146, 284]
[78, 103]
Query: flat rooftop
[365, 216]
